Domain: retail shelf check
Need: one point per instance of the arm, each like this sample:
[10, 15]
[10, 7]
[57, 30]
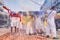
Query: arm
[9, 11]
[5, 8]
[20, 17]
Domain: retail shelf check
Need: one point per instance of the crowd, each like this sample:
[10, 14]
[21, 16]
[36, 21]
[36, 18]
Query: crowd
[33, 24]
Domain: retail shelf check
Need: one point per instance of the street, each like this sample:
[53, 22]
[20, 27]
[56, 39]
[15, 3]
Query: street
[5, 35]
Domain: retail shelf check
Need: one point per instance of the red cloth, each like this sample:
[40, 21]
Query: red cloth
[14, 15]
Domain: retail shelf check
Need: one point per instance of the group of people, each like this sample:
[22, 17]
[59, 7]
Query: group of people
[28, 23]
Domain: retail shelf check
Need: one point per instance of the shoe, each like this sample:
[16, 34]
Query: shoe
[55, 38]
[47, 36]
[30, 34]
[41, 32]
[34, 34]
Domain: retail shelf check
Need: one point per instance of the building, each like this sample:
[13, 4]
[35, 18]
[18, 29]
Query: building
[50, 3]
[4, 17]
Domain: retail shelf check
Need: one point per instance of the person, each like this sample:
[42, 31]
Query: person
[51, 28]
[38, 24]
[20, 23]
[32, 22]
[43, 21]
[43, 14]
[15, 18]
[24, 22]
[29, 29]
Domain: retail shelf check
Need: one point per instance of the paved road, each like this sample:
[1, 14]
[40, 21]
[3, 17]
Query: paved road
[4, 35]
[22, 37]
[4, 31]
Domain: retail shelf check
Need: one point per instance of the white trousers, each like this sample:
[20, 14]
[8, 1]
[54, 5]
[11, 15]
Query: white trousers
[39, 25]
[51, 27]
[15, 21]
[29, 29]
[20, 26]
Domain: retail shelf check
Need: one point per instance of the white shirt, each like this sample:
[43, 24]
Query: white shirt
[51, 14]
[38, 19]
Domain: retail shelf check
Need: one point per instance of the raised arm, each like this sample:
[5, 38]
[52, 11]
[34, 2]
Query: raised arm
[5, 8]
[9, 11]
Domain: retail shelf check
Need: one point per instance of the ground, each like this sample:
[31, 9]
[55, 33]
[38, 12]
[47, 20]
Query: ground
[5, 35]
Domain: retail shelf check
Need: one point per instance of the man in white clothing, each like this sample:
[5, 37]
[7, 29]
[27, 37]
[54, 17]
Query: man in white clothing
[51, 28]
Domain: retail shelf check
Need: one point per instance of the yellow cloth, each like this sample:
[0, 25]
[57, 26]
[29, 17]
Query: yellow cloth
[30, 19]
[24, 19]
[58, 14]
[45, 22]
